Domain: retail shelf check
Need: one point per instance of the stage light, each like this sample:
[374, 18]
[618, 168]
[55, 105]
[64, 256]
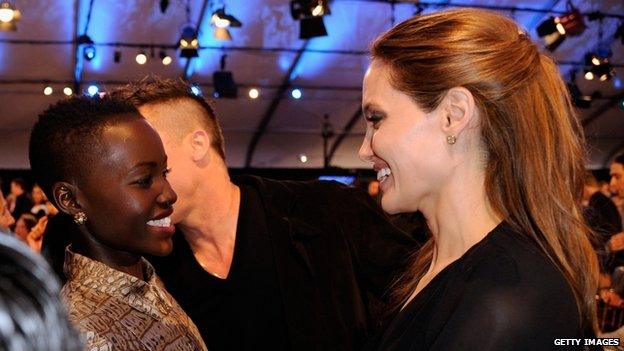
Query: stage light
[303, 158]
[597, 65]
[554, 30]
[196, 90]
[221, 21]
[300, 9]
[88, 51]
[296, 94]
[617, 82]
[254, 93]
[68, 91]
[141, 58]
[48, 90]
[223, 81]
[310, 15]
[165, 58]
[188, 43]
[312, 27]
[93, 90]
[8, 16]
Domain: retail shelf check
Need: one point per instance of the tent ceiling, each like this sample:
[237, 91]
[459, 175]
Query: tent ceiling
[329, 71]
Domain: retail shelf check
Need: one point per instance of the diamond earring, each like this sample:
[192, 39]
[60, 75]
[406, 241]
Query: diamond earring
[80, 218]
[451, 139]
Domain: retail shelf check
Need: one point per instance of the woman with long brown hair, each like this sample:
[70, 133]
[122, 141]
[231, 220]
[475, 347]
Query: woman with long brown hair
[470, 124]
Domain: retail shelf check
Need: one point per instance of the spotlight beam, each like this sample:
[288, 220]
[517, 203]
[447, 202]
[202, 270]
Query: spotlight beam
[78, 56]
[188, 68]
[268, 115]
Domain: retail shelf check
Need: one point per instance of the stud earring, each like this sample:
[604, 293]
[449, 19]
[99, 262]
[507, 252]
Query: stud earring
[80, 218]
[451, 139]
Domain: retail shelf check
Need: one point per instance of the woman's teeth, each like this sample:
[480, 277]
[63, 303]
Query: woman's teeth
[163, 222]
[383, 173]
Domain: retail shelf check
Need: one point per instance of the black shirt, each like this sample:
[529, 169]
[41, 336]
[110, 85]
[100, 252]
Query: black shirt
[244, 310]
[502, 294]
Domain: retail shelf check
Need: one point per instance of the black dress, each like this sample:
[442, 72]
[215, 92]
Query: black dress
[502, 294]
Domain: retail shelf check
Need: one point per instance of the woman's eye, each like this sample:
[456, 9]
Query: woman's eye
[374, 120]
[145, 182]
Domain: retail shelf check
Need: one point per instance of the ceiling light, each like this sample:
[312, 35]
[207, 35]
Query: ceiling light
[300, 9]
[196, 90]
[8, 16]
[93, 90]
[303, 158]
[48, 90]
[188, 43]
[254, 93]
[88, 51]
[554, 30]
[141, 58]
[296, 94]
[597, 65]
[165, 58]
[310, 14]
[68, 91]
[221, 21]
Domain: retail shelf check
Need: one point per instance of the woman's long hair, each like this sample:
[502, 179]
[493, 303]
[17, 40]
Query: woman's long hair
[529, 130]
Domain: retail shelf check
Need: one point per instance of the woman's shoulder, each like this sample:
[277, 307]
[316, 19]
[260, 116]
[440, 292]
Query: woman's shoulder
[511, 273]
[511, 257]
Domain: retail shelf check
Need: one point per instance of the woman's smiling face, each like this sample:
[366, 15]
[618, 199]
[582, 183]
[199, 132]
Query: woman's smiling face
[126, 196]
[405, 144]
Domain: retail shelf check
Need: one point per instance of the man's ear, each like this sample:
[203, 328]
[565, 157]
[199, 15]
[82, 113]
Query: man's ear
[200, 143]
[459, 111]
[65, 196]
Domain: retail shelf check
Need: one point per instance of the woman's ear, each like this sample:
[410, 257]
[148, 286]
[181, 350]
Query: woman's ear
[65, 197]
[459, 110]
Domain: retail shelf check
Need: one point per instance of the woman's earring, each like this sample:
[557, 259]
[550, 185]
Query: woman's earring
[451, 139]
[80, 218]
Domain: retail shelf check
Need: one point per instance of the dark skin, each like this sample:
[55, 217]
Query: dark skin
[120, 193]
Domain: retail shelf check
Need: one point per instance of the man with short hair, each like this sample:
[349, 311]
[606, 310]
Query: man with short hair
[261, 264]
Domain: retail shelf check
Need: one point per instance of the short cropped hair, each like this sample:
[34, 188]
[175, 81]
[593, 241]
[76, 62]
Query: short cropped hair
[153, 90]
[66, 137]
[619, 159]
[32, 315]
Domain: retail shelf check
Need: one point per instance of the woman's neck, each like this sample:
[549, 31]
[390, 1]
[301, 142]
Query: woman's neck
[123, 261]
[459, 216]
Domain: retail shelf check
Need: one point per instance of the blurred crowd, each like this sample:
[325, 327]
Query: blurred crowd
[26, 214]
